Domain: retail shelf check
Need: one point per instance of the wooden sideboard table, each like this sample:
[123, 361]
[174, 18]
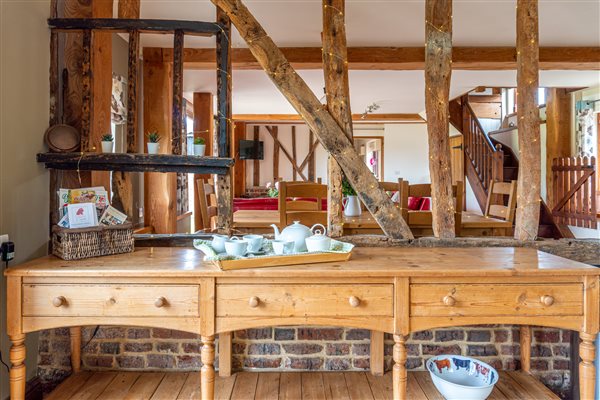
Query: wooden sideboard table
[394, 290]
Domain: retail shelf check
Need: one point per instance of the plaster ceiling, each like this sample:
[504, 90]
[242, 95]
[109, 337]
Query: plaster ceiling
[383, 23]
[395, 91]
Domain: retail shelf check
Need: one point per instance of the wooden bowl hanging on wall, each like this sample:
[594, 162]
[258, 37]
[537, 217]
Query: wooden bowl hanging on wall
[62, 138]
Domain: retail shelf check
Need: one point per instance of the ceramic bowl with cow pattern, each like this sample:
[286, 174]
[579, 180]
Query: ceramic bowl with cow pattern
[462, 378]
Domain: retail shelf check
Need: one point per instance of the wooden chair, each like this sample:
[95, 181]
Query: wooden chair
[497, 192]
[307, 212]
[424, 219]
[208, 205]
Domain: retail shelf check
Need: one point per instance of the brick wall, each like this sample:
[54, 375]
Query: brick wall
[302, 348]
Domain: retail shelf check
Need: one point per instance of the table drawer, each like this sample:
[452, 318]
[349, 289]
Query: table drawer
[495, 299]
[316, 300]
[111, 300]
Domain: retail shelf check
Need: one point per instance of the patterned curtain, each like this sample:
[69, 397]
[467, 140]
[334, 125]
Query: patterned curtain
[118, 110]
[586, 134]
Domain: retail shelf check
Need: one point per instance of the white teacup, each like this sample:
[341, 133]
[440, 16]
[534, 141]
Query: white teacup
[281, 247]
[255, 242]
[218, 243]
[236, 247]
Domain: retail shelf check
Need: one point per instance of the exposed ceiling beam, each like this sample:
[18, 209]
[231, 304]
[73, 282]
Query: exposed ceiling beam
[357, 118]
[396, 58]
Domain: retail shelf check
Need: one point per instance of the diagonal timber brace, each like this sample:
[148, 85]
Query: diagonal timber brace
[317, 117]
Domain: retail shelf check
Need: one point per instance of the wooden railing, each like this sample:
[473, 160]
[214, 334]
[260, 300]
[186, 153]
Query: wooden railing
[486, 158]
[575, 191]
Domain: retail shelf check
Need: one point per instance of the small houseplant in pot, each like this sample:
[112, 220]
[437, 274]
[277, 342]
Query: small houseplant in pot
[199, 146]
[153, 145]
[351, 202]
[107, 143]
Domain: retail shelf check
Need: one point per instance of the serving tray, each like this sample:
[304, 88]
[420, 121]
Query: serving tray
[340, 252]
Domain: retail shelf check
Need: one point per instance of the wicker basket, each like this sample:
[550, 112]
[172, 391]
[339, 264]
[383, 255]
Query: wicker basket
[75, 244]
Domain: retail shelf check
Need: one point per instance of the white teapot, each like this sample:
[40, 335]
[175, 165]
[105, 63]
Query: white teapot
[296, 233]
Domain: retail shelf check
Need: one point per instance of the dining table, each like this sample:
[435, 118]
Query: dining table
[472, 224]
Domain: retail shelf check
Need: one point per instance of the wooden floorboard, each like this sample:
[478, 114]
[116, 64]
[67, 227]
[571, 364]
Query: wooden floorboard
[290, 386]
[514, 385]
[119, 387]
[171, 385]
[335, 386]
[358, 386]
[267, 387]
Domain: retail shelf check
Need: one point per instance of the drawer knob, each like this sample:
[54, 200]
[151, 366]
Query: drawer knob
[449, 300]
[160, 302]
[59, 301]
[547, 300]
[354, 301]
[253, 302]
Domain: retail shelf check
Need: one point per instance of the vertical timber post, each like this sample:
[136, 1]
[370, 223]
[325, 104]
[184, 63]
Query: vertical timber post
[335, 68]
[224, 121]
[438, 70]
[528, 121]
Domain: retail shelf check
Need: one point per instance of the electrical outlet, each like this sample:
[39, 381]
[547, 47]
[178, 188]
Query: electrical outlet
[141, 212]
[3, 238]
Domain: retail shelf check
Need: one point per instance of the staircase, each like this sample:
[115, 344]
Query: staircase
[487, 159]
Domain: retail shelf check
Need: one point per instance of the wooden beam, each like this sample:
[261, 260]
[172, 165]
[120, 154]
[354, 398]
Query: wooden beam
[72, 81]
[335, 69]
[160, 190]
[256, 162]
[101, 62]
[198, 28]
[331, 136]
[203, 128]
[406, 58]
[123, 181]
[239, 168]
[87, 91]
[129, 9]
[286, 153]
[53, 117]
[294, 155]
[224, 121]
[528, 121]
[312, 159]
[177, 110]
[558, 134]
[438, 70]
[311, 153]
[275, 158]
[356, 118]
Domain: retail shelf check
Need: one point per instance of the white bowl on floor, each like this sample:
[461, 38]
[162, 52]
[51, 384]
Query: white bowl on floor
[462, 378]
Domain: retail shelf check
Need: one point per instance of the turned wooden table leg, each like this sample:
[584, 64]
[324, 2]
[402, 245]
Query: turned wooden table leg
[587, 371]
[525, 342]
[207, 373]
[75, 334]
[17, 370]
[399, 372]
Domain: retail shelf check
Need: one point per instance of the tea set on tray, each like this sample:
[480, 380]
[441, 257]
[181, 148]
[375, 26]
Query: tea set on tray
[295, 238]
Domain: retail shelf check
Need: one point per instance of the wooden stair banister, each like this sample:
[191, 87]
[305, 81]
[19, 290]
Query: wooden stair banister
[484, 159]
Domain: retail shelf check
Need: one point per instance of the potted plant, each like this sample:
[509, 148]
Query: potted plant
[153, 145]
[107, 143]
[199, 146]
[351, 203]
